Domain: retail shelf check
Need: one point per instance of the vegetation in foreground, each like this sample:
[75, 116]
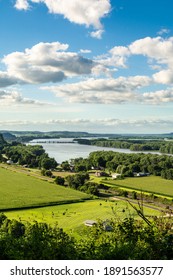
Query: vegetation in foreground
[129, 239]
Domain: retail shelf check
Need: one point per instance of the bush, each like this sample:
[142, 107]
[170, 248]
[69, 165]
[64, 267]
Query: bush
[59, 180]
[47, 173]
[129, 240]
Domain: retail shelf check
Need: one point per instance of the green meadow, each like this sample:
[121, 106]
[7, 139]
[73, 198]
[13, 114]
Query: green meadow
[150, 184]
[18, 190]
[71, 217]
[57, 205]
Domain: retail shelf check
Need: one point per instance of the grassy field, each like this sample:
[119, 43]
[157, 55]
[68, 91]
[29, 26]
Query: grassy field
[19, 190]
[71, 217]
[151, 184]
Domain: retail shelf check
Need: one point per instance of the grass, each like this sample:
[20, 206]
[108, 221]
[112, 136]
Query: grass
[19, 190]
[150, 184]
[71, 217]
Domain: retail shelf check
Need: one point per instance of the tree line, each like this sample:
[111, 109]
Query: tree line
[28, 155]
[126, 164]
[165, 147]
[128, 239]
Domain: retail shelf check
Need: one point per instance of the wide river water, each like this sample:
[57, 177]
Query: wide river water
[61, 149]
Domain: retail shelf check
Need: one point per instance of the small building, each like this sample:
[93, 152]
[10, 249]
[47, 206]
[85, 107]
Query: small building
[90, 223]
[116, 175]
[107, 226]
[10, 161]
[100, 173]
[142, 174]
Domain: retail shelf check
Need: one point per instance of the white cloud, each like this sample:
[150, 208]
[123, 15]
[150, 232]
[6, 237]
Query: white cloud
[86, 12]
[85, 51]
[111, 125]
[14, 98]
[7, 80]
[116, 57]
[43, 63]
[106, 91]
[163, 31]
[22, 5]
[164, 76]
[159, 97]
[112, 91]
[158, 52]
[97, 34]
[157, 48]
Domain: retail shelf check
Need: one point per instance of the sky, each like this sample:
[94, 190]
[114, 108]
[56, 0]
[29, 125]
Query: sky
[101, 66]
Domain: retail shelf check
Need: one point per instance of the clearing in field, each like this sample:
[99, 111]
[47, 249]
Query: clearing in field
[18, 190]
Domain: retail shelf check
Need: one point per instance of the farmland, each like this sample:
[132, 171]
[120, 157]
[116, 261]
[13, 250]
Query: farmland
[24, 193]
[71, 217]
[18, 190]
[49, 219]
[150, 184]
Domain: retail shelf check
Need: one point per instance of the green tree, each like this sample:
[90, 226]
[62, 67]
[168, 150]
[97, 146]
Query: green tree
[59, 180]
[48, 163]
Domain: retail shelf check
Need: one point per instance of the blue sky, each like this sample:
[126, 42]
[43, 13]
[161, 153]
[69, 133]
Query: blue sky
[90, 65]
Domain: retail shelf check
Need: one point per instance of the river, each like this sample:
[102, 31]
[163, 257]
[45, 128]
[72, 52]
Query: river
[64, 149]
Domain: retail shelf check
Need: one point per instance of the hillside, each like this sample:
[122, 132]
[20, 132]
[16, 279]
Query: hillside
[19, 190]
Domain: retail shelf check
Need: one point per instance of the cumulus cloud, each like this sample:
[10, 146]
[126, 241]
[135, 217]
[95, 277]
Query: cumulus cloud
[10, 98]
[116, 57]
[22, 5]
[163, 31]
[158, 52]
[7, 80]
[111, 125]
[43, 63]
[106, 91]
[97, 34]
[85, 12]
[112, 91]
[85, 51]
[159, 97]
[157, 48]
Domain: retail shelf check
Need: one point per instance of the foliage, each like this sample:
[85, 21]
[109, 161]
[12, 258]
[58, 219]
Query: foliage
[2, 141]
[133, 144]
[129, 239]
[167, 174]
[65, 166]
[47, 173]
[35, 241]
[76, 181]
[127, 164]
[47, 163]
[59, 180]
[30, 155]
